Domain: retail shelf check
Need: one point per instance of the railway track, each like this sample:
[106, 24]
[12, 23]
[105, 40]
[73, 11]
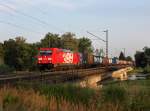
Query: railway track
[52, 77]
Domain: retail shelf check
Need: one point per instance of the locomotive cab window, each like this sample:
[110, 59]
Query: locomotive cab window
[46, 52]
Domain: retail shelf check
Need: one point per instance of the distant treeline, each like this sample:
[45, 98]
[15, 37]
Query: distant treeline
[20, 55]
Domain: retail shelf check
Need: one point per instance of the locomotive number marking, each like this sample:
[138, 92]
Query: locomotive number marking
[68, 57]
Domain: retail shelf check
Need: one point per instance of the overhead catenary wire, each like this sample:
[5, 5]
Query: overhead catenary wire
[18, 26]
[29, 3]
[29, 16]
[96, 36]
[106, 41]
[38, 8]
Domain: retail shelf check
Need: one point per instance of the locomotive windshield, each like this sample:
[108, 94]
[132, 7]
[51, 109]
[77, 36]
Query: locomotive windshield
[45, 52]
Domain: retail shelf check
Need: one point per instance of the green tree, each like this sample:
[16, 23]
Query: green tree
[18, 53]
[10, 54]
[121, 57]
[129, 58]
[32, 53]
[85, 45]
[1, 50]
[147, 54]
[69, 41]
[140, 59]
[51, 40]
[1, 54]
[147, 51]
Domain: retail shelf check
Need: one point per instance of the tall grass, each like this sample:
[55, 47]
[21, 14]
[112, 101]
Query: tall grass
[12, 99]
[114, 94]
[74, 94]
[126, 96]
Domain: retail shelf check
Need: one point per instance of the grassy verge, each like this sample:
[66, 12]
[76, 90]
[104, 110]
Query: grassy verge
[123, 96]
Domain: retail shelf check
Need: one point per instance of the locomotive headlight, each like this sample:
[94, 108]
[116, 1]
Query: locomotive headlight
[39, 59]
[49, 59]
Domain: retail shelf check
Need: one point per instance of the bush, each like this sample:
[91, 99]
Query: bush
[4, 69]
[136, 70]
[146, 70]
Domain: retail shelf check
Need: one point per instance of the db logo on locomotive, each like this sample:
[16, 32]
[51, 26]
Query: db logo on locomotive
[68, 57]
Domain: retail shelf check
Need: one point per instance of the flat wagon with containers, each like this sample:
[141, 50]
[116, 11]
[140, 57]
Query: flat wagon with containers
[49, 58]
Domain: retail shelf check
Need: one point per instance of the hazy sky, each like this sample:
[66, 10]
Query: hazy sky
[128, 21]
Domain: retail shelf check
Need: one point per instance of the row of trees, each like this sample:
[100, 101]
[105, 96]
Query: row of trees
[19, 54]
[67, 41]
[142, 58]
[122, 57]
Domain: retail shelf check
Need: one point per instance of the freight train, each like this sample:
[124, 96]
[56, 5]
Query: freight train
[49, 58]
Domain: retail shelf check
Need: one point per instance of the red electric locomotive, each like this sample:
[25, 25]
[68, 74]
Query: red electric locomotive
[52, 57]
